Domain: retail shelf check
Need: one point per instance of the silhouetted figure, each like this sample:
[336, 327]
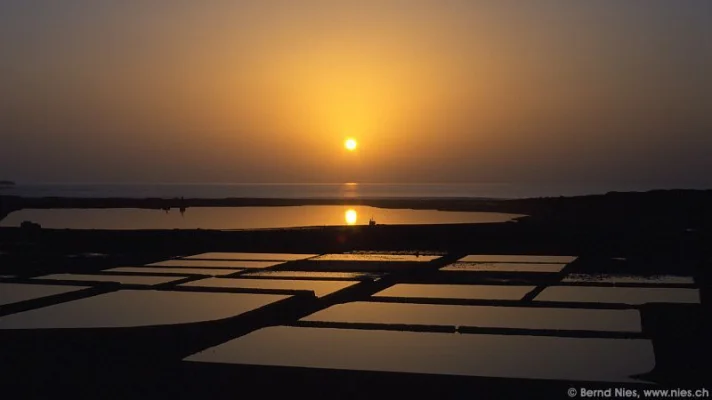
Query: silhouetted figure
[182, 211]
[371, 222]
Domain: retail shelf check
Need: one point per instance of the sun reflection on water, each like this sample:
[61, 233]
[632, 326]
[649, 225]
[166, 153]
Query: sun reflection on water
[351, 216]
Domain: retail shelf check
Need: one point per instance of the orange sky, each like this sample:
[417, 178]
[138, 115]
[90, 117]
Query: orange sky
[267, 91]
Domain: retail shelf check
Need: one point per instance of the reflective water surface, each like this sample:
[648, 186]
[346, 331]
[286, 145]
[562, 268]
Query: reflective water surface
[341, 190]
[16, 292]
[251, 256]
[215, 263]
[487, 258]
[608, 278]
[503, 267]
[622, 295]
[375, 257]
[320, 288]
[176, 271]
[480, 316]
[242, 217]
[307, 275]
[473, 292]
[131, 308]
[124, 279]
[510, 356]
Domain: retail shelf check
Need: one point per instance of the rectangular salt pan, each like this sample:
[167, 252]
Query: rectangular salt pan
[609, 278]
[176, 271]
[619, 295]
[306, 275]
[518, 259]
[16, 292]
[467, 292]
[132, 308]
[320, 288]
[506, 356]
[503, 267]
[123, 279]
[481, 316]
[375, 258]
[251, 256]
[215, 264]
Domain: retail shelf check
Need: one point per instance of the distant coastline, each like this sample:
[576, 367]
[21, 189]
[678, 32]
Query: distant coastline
[686, 208]
[363, 190]
[7, 183]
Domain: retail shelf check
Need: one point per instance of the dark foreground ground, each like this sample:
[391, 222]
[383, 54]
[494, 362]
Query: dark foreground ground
[641, 234]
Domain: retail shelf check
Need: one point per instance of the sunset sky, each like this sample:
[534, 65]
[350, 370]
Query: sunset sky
[433, 91]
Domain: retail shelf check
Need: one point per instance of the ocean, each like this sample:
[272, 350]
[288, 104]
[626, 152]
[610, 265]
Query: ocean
[313, 191]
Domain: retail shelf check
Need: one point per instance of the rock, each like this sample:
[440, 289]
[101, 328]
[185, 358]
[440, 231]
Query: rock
[30, 226]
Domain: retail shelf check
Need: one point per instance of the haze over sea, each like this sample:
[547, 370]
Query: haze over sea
[320, 190]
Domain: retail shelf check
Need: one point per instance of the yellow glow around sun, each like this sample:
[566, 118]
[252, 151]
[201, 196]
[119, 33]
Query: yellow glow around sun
[351, 216]
[350, 144]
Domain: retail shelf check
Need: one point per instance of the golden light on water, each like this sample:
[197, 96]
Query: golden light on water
[351, 216]
[350, 144]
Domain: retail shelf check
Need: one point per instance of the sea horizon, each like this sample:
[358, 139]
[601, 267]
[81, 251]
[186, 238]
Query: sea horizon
[322, 190]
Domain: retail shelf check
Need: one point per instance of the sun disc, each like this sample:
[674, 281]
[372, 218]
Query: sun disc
[350, 144]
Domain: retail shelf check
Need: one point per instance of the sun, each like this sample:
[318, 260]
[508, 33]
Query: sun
[350, 144]
[351, 216]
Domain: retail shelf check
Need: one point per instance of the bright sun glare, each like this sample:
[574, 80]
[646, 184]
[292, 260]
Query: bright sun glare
[351, 216]
[350, 144]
